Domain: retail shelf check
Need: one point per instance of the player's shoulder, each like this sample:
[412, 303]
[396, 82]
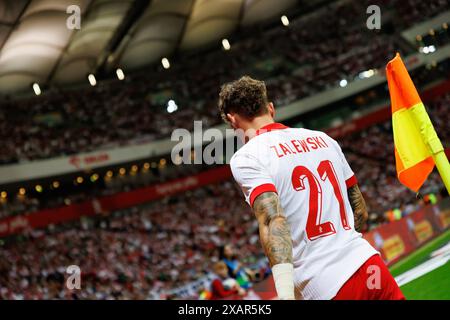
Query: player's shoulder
[249, 152]
[324, 135]
[308, 132]
[242, 153]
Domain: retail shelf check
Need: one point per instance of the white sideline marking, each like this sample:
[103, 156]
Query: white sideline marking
[445, 249]
[439, 258]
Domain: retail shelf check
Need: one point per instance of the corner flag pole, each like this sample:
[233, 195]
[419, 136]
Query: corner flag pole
[433, 143]
[435, 147]
[443, 166]
[417, 146]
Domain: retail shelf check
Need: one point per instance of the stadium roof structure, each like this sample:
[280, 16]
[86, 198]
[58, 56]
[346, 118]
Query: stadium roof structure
[37, 46]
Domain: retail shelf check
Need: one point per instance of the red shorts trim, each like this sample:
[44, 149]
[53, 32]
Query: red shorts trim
[350, 182]
[372, 281]
[267, 187]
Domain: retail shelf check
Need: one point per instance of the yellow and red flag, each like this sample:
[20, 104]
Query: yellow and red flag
[415, 139]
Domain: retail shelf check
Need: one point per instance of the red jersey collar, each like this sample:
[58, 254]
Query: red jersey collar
[270, 127]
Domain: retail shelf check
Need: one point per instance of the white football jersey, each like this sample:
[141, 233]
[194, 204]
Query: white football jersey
[310, 174]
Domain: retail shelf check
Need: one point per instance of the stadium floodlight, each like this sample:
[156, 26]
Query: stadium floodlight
[80, 180]
[427, 49]
[38, 188]
[366, 74]
[343, 83]
[226, 44]
[36, 89]
[120, 74]
[171, 106]
[285, 21]
[22, 191]
[165, 63]
[55, 184]
[92, 79]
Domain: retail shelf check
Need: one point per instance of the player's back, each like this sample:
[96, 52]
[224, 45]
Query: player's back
[311, 176]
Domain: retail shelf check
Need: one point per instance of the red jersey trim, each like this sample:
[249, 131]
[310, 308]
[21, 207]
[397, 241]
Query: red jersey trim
[270, 127]
[267, 187]
[350, 182]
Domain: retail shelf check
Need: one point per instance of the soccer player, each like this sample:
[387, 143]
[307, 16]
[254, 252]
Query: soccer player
[307, 203]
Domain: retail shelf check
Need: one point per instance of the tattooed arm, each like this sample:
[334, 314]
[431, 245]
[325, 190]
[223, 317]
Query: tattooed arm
[274, 231]
[359, 207]
[275, 236]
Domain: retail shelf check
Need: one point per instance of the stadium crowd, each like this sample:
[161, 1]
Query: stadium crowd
[373, 145]
[134, 254]
[145, 252]
[67, 193]
[314, 53]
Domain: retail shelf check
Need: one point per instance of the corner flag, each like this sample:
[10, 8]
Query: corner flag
[417, 146]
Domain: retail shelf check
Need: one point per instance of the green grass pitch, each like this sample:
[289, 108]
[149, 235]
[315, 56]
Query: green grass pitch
[434, 285]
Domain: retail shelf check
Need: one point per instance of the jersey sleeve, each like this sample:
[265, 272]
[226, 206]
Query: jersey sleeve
[252, 177]
[349, 175]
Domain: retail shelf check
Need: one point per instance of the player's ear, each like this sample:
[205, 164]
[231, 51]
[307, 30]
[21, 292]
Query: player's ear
[232, 119]
[271, 108]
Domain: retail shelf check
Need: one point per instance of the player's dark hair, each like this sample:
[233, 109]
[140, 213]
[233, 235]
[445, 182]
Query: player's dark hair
[245, 96]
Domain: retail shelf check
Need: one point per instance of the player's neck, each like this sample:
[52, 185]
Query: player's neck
[251, 127]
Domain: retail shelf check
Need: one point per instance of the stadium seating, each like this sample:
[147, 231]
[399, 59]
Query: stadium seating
[372, 146]
[144, 252]
[136, 253]
[313, 54]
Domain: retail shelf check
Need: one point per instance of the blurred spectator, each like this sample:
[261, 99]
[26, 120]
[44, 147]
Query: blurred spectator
[224, 286]
[236, 270]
